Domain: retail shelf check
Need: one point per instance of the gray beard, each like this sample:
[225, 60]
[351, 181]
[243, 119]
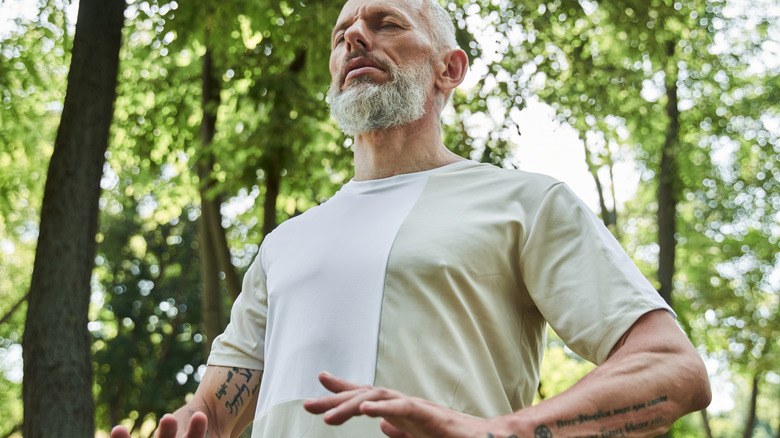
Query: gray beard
[366, 106]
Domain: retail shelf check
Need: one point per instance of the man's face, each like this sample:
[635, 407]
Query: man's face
[380, 64]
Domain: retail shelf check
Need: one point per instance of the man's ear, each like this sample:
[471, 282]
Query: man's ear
[451, 71]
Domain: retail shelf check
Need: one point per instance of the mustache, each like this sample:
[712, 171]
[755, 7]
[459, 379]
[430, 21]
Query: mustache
[362, 53]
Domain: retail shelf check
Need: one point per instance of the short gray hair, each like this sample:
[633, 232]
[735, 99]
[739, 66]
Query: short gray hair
[442, 29]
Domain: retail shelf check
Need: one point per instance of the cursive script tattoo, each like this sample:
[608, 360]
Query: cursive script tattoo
[238, 399]
[632, 425]
[235, 390]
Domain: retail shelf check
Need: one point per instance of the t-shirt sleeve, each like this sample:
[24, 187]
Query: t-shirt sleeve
[242, 343]
[580, 278]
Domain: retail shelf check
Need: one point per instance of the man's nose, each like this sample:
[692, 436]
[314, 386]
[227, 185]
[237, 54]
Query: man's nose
[356, 37]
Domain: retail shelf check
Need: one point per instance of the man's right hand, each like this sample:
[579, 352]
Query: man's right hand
[169, 427]
[225, 403]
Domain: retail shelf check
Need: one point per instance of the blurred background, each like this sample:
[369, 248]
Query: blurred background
[662, 115]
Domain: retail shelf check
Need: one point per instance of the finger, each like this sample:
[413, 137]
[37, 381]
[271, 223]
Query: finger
[351, 407]
[336, 385]
[416, 417]
[343, 390]
[405, 407]
[392, 431]
[408, 414]
[198, 426]
[120, 432]
[323, 404]
[167, 427]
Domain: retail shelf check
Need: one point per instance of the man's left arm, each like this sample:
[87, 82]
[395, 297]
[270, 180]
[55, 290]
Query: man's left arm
[652, 377]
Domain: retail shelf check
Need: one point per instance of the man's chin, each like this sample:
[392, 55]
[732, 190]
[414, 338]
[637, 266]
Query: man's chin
[361, 81]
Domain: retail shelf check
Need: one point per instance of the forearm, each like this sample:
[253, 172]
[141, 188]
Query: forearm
[228, 397]
[648, 383]
[618, 405]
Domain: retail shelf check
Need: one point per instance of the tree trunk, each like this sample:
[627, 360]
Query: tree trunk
[667, 182]
[777, 435]
[221, 248]
[223, 252]
[57, 386]
[750, 422]
[607, 216]
[213, 312]
[211, 300]
[114, 408]
[273, 180]
[277, 153]
[613, 213]
[667, 197]
[705, 419]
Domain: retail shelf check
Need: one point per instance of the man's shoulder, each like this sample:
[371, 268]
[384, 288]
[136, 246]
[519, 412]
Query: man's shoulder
[487, 178]
[487, 170]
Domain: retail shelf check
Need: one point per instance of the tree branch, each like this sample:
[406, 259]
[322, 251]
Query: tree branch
[16, 306]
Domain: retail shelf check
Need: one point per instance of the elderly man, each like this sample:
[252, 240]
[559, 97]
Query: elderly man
[425, 284]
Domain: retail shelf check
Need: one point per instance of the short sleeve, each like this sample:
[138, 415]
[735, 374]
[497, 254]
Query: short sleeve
[242, 343]
[580, 278]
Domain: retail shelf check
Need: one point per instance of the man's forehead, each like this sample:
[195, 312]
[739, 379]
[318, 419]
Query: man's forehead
[408, 8]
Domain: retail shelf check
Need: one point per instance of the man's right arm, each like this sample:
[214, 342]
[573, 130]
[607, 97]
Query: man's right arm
[226, 396]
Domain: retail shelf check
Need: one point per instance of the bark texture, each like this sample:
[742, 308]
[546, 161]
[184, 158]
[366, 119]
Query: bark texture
[750, 422]
[278, 152]
[213, 312]
[667, 185]
[667, 182]
[57, 386]
[273, 180]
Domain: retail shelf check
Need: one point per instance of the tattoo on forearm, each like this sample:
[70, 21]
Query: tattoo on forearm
[222, 391]
[239, 379]
[238, 400]
[543, 431]
[490, 435]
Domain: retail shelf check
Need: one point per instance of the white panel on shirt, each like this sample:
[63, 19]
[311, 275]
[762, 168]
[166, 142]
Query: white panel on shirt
[325, 276]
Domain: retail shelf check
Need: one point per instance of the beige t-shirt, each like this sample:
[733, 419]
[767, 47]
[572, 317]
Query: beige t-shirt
[437, 284]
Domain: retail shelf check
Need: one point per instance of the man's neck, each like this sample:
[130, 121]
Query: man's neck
[411, 148]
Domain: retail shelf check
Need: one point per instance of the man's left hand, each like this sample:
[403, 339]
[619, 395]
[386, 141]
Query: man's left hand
[402, 416]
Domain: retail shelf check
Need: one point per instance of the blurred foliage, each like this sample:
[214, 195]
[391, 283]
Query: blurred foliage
[602, 66]
[147, 304]
[33, 68]
[561, 368]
